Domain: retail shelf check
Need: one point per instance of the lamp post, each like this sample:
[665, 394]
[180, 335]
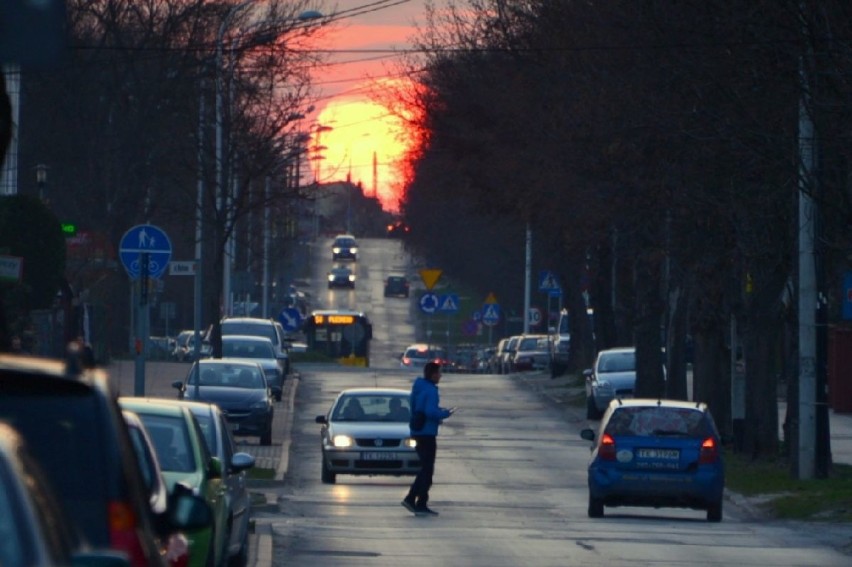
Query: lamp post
[41, 180]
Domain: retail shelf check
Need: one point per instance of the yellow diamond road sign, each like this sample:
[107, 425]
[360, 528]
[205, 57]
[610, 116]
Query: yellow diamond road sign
[491, 299]
[430, 277]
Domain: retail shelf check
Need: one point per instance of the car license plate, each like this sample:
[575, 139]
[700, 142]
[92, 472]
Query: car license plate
[664, 454]
[379, 456]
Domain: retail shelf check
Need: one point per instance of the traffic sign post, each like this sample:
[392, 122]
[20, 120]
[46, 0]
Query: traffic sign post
[145, 251]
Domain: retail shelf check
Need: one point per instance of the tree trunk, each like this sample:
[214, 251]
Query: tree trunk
[649, 367]
[761, 426]
[711, 376]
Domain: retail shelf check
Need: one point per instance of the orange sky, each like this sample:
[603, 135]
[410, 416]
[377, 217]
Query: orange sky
[359, 136]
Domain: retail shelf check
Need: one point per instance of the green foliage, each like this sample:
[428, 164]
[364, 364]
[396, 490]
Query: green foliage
[28, 229]
[782, 496]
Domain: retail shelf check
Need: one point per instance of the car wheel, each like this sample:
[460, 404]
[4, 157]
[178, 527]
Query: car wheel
[591, 409]
[266, 437]
[714, 511]
[596, 507]
[328, 477]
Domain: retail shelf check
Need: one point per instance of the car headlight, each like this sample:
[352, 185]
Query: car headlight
[259, 405]
[342, 441]
[353, 250]
[351, 277]
[331, 277]
[336, 250]
[410, 442]
[604, 385]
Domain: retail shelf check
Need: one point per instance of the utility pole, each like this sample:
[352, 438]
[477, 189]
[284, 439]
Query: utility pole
[527, 270]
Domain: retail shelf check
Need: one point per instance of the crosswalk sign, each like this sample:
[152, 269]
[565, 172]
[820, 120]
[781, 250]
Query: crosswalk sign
[448, 303]
[547, 281]
[491, 314]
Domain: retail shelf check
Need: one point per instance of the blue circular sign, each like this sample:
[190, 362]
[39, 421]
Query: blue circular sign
[429, 303]
[145, 244]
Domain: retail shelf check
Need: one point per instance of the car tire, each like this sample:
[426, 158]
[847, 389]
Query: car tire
[591, 409]
[596, 507]
[328, 477]
[266, 437]
[714, 511]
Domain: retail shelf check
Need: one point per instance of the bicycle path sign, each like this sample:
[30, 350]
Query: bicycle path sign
[145, 239]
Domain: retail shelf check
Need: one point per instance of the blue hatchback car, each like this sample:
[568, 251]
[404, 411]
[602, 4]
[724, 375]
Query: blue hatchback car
[656, 453]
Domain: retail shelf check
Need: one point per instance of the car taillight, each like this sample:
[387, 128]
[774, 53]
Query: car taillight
[606, 451]
[709, 452]
[406, 361]
[123, 532]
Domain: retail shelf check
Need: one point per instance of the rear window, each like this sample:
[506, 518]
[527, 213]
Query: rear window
[247, 349]
[254, 329]
[171, 441]
[656, 421]
[617, 362]
[64, 427]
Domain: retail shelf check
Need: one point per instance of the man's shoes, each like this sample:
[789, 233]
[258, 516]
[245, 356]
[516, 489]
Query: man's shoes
[424, 511]
[409, 506]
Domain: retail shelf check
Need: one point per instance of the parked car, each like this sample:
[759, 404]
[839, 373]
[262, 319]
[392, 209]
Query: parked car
[341, 276]
[174, 546]
[185, 460]
[561, 345]
[220, 442]
[35, 529]
[508, 354]
[397, 286]
[344, 247]
[184, 347]
[260, 350]
[495, 363]
[269, 328]
[656, 453]
[612, 376]
[417, 355]
[366, 432]
[239, 388]
[531, 353]
[89, 458]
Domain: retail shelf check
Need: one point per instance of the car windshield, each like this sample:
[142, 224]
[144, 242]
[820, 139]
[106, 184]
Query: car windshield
[617, 362]
[247, 349]
[205, 422]
[656, 421]
[372, 408]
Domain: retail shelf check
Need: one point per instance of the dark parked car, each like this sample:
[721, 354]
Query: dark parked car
[269, 328]
[344, 247]
[655, 453]
[74, 427]
[239, 388]
[396, 286]
[260, 350]
[34, 527]
[531, 353]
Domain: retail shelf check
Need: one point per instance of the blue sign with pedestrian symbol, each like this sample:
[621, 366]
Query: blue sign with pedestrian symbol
[491, 314]
[547, 281]
[291, 319]
[145, 244]
[449, 303]
[429, 303]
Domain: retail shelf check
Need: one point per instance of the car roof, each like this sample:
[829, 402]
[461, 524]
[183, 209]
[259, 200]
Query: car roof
[617, 350]
[228, 361]
[150, 406]
[374, 391]
[247, 338]
[249, 320]
[342, 236]
[659, 402]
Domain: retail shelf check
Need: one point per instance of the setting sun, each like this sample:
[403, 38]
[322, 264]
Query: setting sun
[360, 139]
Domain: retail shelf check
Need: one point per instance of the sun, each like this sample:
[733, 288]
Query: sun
[360, 140]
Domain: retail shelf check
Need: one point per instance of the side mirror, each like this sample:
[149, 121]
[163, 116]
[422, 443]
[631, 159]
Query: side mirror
[587, 372]
[241, 462]
[588, 434]
[321, 419]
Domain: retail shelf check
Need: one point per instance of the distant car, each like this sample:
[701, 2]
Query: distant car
[366, 432]
[341, 276]
[531, 353]
[33, 523]
[396, 286]
[269, 328]
[495, 363]
[89, 459]
[260, 350]
[507, 355]
[398, 229]
[612, 376]
[184, 347]
[344, 247]
[220, 442]
[239, 388]
[656, 453]
[561, 345]
[417, 355]
[185, 460]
